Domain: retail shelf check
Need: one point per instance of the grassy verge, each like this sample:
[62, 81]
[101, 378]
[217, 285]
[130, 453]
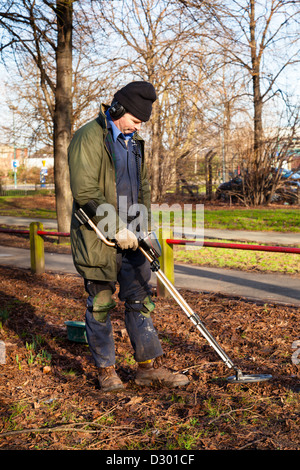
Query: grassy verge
[281, 220]
[284, 219]
[37, 206]
[271, 219]
[256, 261]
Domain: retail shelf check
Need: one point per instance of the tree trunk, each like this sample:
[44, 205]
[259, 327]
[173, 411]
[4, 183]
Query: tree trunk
[208, 174]
[63, 114]
[155, 157]
[257, 104]
[257, 98]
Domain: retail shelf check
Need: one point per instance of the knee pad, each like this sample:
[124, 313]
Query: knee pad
[145, 307]
[102, 304]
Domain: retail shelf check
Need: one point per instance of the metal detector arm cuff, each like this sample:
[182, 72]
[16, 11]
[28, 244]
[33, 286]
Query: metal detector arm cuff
[86, 212]
[90, 211]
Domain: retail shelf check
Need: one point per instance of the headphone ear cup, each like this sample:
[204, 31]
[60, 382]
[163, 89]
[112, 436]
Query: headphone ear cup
[117, 110]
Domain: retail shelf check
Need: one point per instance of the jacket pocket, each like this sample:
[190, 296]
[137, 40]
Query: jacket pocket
[89, 251]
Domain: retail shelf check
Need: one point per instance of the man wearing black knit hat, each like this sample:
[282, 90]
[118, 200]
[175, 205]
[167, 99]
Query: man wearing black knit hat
[107, 169]
[137, 99]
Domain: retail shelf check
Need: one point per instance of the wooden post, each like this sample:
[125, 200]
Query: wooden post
[37, 255]
[166, 261]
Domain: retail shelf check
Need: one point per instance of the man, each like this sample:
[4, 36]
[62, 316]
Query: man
[107, 171]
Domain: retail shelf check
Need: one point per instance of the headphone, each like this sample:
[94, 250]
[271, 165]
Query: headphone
[117, 110]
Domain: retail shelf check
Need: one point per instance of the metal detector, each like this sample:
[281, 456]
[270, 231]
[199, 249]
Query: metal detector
[150, 247]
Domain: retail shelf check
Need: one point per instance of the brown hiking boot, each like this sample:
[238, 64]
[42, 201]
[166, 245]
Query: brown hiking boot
[108, 379]
[148, 374]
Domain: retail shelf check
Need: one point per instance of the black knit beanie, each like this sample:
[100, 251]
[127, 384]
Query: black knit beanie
[137, 99]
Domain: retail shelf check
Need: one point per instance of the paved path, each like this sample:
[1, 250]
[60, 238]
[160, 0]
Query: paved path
[25, 221]
[261, 287]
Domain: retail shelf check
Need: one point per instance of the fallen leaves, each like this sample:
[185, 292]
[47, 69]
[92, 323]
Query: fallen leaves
[58, 405]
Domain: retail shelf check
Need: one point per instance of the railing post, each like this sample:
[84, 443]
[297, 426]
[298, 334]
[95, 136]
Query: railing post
[37, 254]
[166, 261]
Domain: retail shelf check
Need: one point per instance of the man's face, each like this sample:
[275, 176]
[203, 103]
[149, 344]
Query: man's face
[128, 124]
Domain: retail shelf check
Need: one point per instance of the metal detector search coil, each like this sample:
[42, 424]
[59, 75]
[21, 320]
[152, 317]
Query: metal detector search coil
[245, 378]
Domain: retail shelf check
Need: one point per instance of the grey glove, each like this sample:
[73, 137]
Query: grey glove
[126, 239]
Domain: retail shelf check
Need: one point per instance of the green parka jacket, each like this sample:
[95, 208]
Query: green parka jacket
[92, 177]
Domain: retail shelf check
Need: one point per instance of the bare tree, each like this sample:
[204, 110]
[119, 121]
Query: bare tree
[43, 31]
[23, 92]
[261, 178]
[57, 44]
[260, 36]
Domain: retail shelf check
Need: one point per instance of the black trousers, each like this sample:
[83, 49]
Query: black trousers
[134, 274]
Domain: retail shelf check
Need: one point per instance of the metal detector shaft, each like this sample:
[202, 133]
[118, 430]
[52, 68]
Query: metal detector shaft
[191, 314]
